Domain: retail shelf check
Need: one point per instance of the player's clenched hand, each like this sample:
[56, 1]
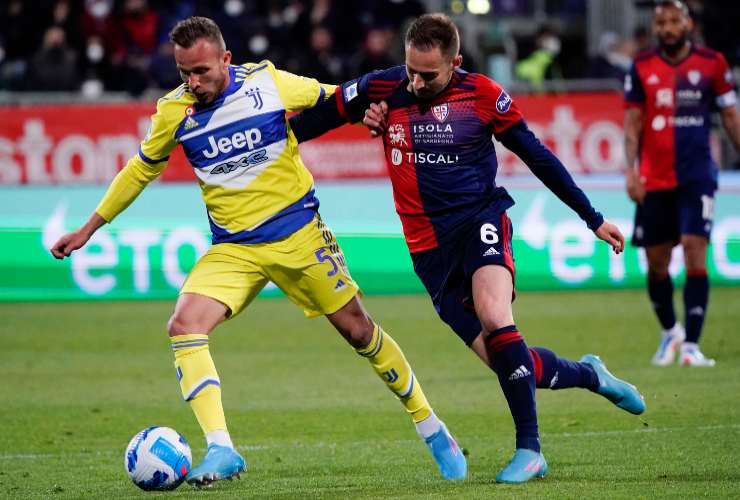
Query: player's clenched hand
[69, 243]
[612, 235]
[635, 185]
[375, 118]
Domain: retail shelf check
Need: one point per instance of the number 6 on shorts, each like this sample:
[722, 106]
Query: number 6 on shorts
[489, 234]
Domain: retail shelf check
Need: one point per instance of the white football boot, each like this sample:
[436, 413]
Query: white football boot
[692, 356]
[670, 341]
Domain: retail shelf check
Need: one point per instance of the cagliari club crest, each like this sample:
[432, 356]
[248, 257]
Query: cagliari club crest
[440, 112]
[694, 77]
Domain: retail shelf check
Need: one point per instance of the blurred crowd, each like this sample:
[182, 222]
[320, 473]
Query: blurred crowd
[551, 54]
[122, 45]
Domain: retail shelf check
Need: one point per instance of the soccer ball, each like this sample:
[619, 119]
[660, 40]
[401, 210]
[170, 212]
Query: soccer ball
[157, 458]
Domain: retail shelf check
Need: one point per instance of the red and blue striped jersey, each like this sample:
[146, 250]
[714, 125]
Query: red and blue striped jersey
[440, 156]
[677, 101]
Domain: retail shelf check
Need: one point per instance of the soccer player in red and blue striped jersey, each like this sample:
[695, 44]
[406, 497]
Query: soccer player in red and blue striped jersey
[437, 122]
[670, 95]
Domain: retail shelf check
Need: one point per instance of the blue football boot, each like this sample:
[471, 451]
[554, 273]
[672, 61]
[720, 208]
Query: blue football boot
[624, 395]
[449, 457]
[524, 465]
[220, 462]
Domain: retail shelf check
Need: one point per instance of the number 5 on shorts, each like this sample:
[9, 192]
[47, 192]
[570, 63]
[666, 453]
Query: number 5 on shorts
[321, 258]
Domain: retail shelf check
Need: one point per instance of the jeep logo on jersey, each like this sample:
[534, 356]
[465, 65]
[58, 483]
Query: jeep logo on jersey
[249, 139]
[440, 112]
[503, 103]
[244, 162]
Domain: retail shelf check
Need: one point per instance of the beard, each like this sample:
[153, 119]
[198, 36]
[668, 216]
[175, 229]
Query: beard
[673, 48]
[425, 95]
[207, 97]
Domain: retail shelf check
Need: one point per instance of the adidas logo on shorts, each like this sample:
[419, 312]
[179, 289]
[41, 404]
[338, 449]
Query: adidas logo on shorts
[490, 251]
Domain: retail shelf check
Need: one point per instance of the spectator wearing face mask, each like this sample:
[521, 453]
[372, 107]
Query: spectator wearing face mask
[614, 58]
[103, 49]
[534, 68]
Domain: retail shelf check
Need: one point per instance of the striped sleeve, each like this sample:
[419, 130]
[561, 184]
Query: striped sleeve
[354, 97]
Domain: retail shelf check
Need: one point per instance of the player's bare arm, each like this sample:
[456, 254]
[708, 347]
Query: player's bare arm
[77, 239]
[632, 131]
[731, 123]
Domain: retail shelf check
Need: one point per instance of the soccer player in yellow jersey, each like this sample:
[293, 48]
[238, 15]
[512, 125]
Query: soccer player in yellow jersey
[231, 122]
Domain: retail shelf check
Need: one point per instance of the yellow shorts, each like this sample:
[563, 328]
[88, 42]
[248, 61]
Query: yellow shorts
[308, 266]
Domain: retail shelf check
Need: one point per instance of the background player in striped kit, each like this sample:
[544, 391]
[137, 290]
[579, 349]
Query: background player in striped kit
[670, 94]
[436, 121]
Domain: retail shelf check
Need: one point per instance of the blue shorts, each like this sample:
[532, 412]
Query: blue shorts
[447, 271]
[666, 215]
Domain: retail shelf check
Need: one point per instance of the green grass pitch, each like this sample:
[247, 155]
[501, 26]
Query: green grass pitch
[77, 380]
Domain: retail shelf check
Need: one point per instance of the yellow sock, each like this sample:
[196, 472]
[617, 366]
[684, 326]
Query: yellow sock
[388, 361]
[199, 380]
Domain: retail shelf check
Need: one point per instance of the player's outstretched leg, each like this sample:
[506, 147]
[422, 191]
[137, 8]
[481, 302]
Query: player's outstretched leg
[553, 372]
[388, 361]
[201, 388]
[621, 393]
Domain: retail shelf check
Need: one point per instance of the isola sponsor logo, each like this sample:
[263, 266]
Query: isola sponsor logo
[239, 140]
[430, 128]
[247, 161]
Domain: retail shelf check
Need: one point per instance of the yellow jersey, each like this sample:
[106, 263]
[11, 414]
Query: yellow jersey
[253, 181]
